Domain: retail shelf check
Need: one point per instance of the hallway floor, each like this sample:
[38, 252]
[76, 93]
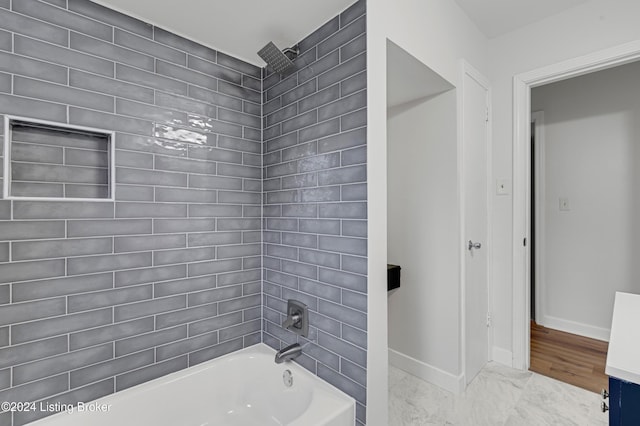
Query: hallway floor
[497, 396]
[570, 358]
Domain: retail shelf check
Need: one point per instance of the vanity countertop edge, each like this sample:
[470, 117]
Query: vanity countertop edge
[623, 356]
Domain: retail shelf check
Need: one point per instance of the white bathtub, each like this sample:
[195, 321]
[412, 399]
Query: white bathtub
[244, 388]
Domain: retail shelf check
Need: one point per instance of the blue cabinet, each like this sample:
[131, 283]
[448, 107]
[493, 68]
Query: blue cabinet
[624, 403]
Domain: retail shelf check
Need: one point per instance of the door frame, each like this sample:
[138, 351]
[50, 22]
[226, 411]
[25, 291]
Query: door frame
[467, 70]
[522, 85]
[537, 118]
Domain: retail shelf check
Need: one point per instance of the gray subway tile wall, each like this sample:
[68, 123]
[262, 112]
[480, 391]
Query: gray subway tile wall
[99, 296]
[315, 202]
[236, 189]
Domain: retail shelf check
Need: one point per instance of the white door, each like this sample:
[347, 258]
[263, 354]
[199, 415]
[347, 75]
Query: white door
[475, 221]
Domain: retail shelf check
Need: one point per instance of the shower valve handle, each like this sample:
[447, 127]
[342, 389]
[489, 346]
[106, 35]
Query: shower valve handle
[292, 321]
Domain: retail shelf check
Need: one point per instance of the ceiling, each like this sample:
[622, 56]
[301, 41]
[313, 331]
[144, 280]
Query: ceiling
[239, 27]
[242, 27]
[497, 17]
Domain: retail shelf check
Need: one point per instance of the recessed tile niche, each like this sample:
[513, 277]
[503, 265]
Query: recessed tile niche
[57, 161]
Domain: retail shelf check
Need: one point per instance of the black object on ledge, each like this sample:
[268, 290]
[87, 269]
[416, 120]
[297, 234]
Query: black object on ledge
[393, 277]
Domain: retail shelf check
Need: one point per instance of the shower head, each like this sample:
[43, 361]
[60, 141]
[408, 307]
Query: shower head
[278, 60]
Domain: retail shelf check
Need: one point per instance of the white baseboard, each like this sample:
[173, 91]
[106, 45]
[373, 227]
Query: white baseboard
[502, 356]
[427, 372]
[575, 327]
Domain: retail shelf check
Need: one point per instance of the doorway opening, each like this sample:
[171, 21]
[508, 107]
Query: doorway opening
[560, 221]
[423, 313]
[438, 226]
[584, 149]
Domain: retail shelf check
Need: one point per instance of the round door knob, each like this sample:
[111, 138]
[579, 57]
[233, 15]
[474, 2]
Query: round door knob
[473, 245]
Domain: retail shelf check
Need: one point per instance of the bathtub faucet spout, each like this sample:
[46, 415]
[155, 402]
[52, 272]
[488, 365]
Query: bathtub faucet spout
[288, 353]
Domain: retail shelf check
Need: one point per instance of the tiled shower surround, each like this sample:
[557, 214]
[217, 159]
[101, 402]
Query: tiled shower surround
[98, 296]
[315, 207]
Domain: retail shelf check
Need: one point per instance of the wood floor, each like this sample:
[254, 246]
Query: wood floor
[569, 358]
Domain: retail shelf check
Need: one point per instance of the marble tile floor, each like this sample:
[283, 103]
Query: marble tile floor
[497, 396]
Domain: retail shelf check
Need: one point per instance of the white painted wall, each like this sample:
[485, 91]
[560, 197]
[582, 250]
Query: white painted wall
[423, 237]
[593, 26]
[592, 158]
[438, 34]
